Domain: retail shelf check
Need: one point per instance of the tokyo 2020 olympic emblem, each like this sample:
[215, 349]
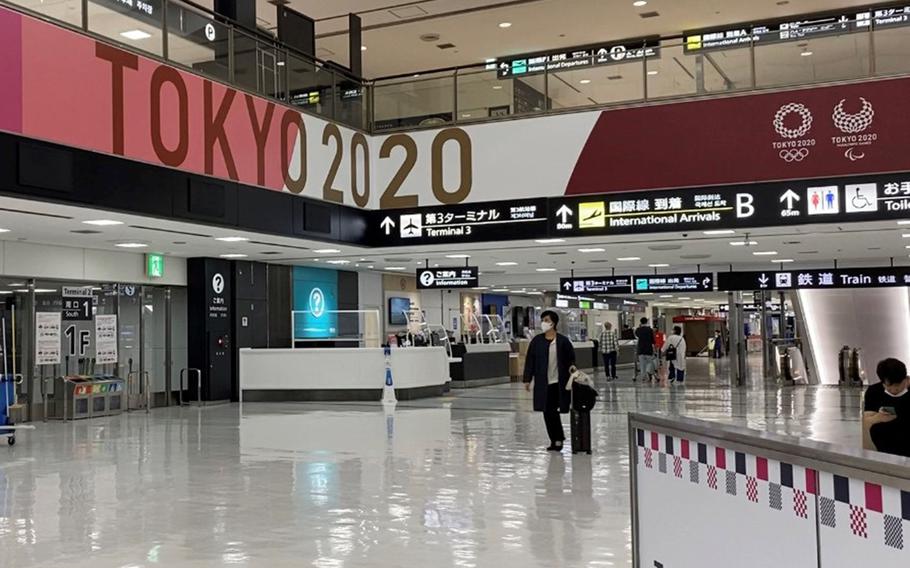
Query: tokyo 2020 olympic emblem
[793, 108]
[852, 123]
[317, 302]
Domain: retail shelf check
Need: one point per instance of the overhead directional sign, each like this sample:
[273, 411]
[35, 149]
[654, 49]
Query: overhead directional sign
[614, 53]
[450, 277]
[880, 277]
[596, 285]
[493, 221]
[795, 29]
[697, 282]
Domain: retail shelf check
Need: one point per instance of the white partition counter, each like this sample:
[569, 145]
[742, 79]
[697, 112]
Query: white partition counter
[278, 375]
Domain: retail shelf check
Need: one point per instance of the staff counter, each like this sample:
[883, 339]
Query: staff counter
[340, 374]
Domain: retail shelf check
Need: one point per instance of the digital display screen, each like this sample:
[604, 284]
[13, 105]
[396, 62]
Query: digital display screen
[315, 303]
[398, 310]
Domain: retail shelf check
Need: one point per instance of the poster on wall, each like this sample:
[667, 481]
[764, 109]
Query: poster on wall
[47, 338]
[315, 303]
[106, 339]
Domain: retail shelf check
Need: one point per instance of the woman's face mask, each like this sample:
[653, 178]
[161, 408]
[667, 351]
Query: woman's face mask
[546, 326]
[897, 393]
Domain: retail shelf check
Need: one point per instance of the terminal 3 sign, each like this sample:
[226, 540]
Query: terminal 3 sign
[880, 277]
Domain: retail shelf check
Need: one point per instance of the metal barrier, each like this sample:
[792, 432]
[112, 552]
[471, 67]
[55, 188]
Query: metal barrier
[183, 373]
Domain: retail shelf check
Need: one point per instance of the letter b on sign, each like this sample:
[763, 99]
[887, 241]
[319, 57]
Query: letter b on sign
[745, 205]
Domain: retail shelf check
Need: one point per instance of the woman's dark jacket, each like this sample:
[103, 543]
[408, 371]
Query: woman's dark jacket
[536, 366]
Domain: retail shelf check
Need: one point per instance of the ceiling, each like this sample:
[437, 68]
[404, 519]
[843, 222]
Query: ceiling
[815, 246]
[392, 28]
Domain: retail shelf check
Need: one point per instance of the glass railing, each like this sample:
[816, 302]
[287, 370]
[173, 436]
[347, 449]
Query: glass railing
[483, 92]
[205, 43]
[197, 39]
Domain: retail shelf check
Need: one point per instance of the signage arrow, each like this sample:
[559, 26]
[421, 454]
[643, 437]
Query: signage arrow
[387, 224]
[790, 197]
[567, 286]
[706, 283]
[565, 213]
[763, 280]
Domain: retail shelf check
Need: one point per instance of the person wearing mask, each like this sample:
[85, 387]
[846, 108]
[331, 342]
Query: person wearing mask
[550, 360]
[645, 336]
[609, 347]
[886, 408]
[674, 351]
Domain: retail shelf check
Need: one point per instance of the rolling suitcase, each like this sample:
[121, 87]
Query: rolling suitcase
[581, 431]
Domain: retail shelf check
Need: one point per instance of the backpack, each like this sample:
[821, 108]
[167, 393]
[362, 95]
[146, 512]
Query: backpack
[671, 351]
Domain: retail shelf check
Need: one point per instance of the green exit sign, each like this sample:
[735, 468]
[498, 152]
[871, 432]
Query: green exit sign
[154, 265]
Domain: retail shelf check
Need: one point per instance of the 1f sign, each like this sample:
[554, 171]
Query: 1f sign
[77, 341]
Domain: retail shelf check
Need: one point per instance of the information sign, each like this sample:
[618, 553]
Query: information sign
[47, 338]
[106, 339]
[450, 277]
[879, 277]
[614, 53]
[696, 282]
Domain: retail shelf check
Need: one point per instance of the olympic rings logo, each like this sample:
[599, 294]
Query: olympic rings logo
[794, 155]
[788, 109]
[853, 123]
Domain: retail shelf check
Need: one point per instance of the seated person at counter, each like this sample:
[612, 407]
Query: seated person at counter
[886, 409]
[549, 360]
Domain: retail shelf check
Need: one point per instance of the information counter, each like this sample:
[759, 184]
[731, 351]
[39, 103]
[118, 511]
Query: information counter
[480, 364]
[340, 374]
[585, 355]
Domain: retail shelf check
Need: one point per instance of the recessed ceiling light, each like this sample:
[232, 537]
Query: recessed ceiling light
[326, 251]
[667, 296]
[490, 60]
[684, 298]
[585, 81]
[661, 265]
[720, 232]
[4, 230]
[640, 3]
[131, 245]
[482, 288]
[363, 48]
[465, 115]
[338, 261]
[102, 222]
[653, 72]
[546, 270]
[505, 25]
[776, 260]
[904, 222]
[806, 53]
[497, 87]
[231, 239]
[395, 268]
[135, 35]
[233, 255]
[19, 284]
[743, 243]
[458, 256]
[500, 290]
[906, 235]
[765, 253]
[551, 241]
[591, 250]
[628, 258]
[515, 263]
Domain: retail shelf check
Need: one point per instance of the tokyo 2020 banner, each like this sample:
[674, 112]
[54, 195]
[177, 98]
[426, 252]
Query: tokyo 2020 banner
[60, 86]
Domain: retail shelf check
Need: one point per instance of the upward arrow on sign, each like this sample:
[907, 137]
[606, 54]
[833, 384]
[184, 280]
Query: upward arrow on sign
[790, 197]
[387, 224]
[567, 285]
[564, 212]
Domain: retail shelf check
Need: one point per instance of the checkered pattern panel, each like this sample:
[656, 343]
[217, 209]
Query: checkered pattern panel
[731, 483]
[894, 532]
[694, 473]
[662, 462]
[775, 497]
[858, 522]
[677, 467]
[752, 489]
[827, 512]
[800, 504]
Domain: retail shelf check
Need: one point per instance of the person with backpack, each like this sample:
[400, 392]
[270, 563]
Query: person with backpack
[646, 364]
[674, 351]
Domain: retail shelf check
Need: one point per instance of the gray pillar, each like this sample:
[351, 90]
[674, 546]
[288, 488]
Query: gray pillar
[699, 74]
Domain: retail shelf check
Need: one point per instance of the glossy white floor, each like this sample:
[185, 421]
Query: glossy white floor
[456, 481]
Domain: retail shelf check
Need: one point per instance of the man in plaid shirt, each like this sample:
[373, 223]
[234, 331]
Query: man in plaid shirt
[609, 347]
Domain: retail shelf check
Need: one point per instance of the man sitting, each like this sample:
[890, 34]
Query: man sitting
[886, 409]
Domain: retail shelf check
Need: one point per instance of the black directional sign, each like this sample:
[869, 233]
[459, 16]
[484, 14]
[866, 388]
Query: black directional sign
[622, 51]
[880, 277]
[450, 277]
[596, 285]
[471, 222]
[696, 282]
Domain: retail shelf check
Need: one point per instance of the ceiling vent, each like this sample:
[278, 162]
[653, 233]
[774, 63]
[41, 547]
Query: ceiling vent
[430, 38]
[445, 45]
[664, 247]
[407, 12]
[270, 252]
[24, 212]
[170, 231]
[649, 14]
[559, 253]
[86, 232]
[694, 256]
[614, 77]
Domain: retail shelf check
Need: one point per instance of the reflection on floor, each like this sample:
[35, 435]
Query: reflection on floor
[455, 481]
